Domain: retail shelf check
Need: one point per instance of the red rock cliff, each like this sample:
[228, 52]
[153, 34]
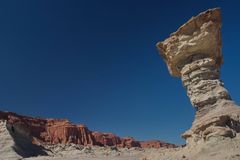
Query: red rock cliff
[55, 131]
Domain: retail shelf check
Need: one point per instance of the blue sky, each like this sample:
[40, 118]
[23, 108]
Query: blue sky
[95, 62]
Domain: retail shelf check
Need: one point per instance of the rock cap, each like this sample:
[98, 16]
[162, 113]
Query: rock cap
[200, 35]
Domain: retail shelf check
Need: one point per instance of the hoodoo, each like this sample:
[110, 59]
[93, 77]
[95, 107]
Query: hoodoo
[194, 53]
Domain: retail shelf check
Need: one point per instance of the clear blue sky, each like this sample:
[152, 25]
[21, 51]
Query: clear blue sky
[95, 62]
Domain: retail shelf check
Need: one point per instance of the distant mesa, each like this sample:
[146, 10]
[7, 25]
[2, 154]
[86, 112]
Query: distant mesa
[55, 131]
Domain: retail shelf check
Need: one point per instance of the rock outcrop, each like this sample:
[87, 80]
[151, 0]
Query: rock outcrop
[194, 53]
[16, 144]
[156, 144]
[61, 131]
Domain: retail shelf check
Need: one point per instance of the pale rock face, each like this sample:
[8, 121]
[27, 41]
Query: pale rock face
[193, 53]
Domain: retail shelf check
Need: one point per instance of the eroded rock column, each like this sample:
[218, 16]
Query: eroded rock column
[201, 79]
[194, 54]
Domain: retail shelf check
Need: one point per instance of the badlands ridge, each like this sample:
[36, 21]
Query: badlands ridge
[34, 136]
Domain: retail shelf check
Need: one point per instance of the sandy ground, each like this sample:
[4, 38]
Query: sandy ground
[224, 149]
[92, 153]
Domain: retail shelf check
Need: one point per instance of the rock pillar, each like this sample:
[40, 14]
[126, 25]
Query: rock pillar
[194, 54]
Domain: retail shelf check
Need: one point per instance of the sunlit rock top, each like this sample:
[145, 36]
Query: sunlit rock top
[200, 35]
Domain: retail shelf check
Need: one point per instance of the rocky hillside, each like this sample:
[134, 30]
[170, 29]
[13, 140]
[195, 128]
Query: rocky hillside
[55, 131]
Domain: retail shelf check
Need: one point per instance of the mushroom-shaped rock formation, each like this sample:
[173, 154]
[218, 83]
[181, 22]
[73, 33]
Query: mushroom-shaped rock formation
[194, 53]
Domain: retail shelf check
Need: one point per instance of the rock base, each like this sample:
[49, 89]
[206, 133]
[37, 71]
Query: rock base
[223, 121]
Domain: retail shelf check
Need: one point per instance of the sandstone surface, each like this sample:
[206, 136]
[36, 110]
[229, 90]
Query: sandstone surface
[194, 53]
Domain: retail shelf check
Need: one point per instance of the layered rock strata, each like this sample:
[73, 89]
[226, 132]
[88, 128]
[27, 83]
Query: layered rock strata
[194, 53]
[56, 131]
